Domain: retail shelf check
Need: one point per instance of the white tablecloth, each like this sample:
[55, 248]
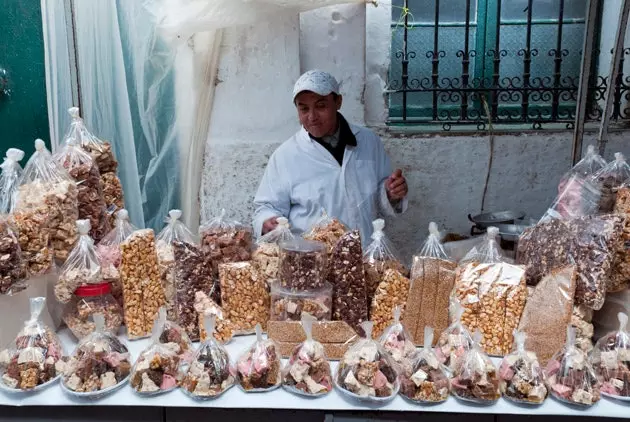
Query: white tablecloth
[280, 399]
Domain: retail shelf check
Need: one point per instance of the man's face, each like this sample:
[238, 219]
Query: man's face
[318, 114]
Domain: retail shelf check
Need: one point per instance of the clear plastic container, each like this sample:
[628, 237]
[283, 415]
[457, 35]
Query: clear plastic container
[87, 301]
[288, 305]
[302, 264]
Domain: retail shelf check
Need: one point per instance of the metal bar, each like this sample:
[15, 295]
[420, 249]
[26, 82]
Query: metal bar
[567, 21]
[436, 59]
[527, 60]
[557, 63]
[484, 89]
[496, 64]
[405, 63]
[466, 63]
[73, 54]
[618, 84]
[615, 61]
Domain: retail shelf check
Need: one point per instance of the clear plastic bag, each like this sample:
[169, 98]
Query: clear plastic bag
[620, 275]
[290, 305]
[47, 201]
[380, 255]
[100, 364]
[13, 269]
[581, 320]
[522, 379]
[110, 254]
[302, 265]
[84, 172]
[428, 380]
[223, 327]
[327, 230]
[35, 358]
[610, 178]
[211, 373]
[367, 372]
[259, 368]
[10, 179]
[391, 294]
[432, 281]
[611, 361]
[308, 371]
[476, 379]
[487, 251]
[100, 151]
[397, 341]
[266, 253]
[160, 367]
[571, 377]
[577, 196]
[82, 266]
[455, 341]
[590, 163]
[173, 336]
[174, 230]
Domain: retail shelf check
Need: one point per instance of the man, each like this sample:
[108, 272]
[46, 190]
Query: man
[328, 165]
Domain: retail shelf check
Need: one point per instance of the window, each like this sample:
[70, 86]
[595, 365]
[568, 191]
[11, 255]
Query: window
[456, 62]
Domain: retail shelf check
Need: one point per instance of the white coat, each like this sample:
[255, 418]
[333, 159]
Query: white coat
[302, 178]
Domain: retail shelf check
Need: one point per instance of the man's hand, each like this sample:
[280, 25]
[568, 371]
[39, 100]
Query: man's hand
[269, 225]
[396, 186]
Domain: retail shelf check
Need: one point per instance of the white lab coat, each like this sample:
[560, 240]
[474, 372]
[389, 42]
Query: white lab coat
[302, 178]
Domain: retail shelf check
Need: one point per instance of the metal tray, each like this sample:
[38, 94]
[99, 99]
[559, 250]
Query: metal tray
[510, 232]
[494, 218]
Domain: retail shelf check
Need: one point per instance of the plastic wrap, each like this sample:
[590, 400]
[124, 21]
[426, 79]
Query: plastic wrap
[10, 179]
[290, 305]
[327, 230]
[570, 376]
[82, 266]
[266, 255]
[577, 196]
[47, 199]
[380, 255]
[99, 365]
[211, 373]
[223, 327]
[173, 336]
[432, 281]
[548, 312]
[455, 341]
[610, 178]
[192, 272]
[259, 368]
[428, 379]
[589, 242]
[308, 371]
[174, 231]
[13, 268]
[160, 367]
[366, 371]
[84, 172]
[110, 254]
[611, 361]
[87, 301]
[476, 379]
[397, 341]
[521, 376]
[35, 358]
[302, 265]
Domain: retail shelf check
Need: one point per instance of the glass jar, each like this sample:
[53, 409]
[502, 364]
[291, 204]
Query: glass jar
[88, 300]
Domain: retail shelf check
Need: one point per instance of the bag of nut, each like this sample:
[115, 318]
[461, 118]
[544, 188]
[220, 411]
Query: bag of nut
[266, 255]
[82, 266]
[611, 361]
[13, 269]
[391, 294]
[327, 230]
[110, 255]
[380, 255]
[174, 230]
[259, 367]
[610, 178]
[399, 344]
[10, 179]
[432, 281]
[47, 200]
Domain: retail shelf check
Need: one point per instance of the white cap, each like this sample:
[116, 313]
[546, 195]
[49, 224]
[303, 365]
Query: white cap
[317, 81]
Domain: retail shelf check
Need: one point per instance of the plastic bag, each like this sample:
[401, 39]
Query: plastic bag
[488, 251]
[620, 276]
[173, 336]
[327, 230]
[455, 341]
[308, 371]
[10, 179]
[223, 327]
[100, 151]
[476, 379]
[210, 373]
[380, 255]
[259, 368]
[366, 371]
[35, 358]
[590, 163]
[174, 230]
[47, 200]
[432, 281]
[392, 293]
[82, 266]
[110, 255]
[266, 254]
[397, 341]
[577, 196]
[99, 365]
[302, 265]
[548, 312]
[570, 376]
[160, 367]
[13, 271]
[584, 329]
[290, 305]
[611, 361]
[610, 178]
[522, 379]
[428, 379]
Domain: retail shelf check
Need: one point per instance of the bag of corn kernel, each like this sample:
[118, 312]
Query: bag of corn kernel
[399, 344]
[391, 294]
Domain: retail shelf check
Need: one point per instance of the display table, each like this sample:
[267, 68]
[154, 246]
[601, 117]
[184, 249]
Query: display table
[280, 399]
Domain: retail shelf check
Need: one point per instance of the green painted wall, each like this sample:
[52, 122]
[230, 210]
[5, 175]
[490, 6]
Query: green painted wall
[24, 114]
